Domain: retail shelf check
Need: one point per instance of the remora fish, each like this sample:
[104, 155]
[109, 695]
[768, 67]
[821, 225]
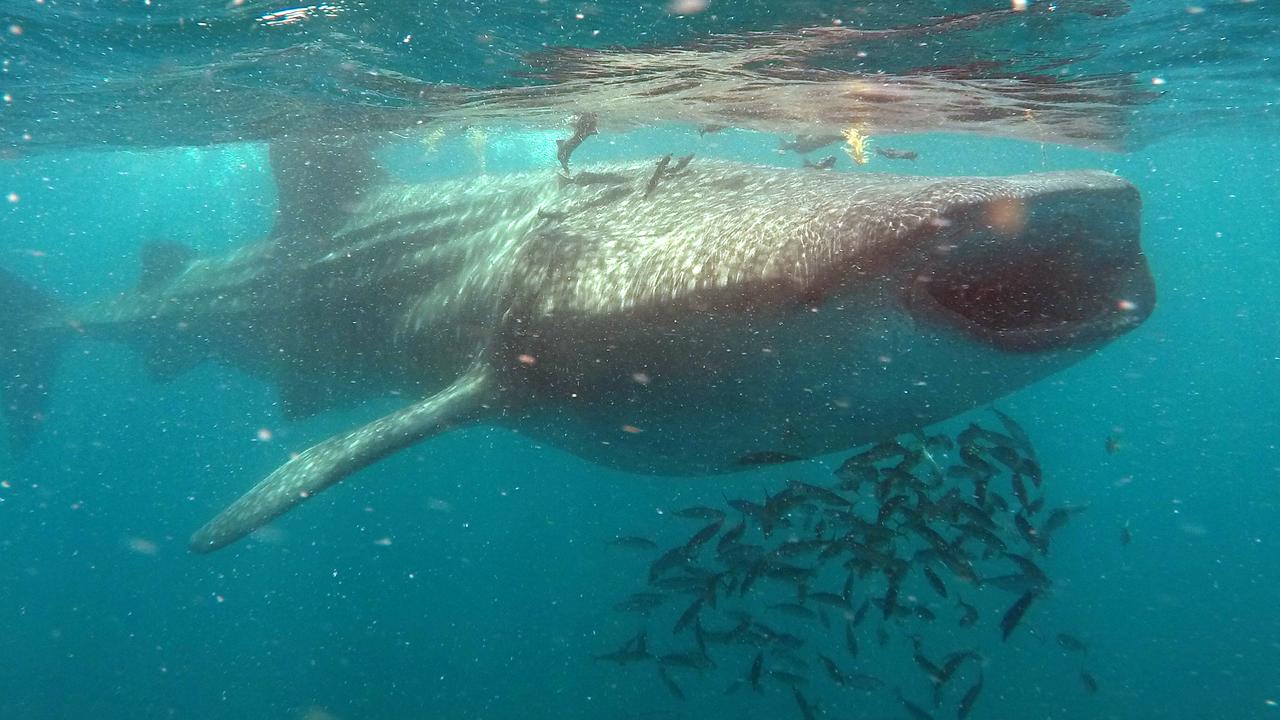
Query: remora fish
[583, 128]
[623, 314]
[825, 163]
[895, 154]
[805, 144]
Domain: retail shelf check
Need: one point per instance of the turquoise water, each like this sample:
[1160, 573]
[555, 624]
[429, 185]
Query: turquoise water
[469, 576]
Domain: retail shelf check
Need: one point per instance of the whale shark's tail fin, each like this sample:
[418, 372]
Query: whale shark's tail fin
[324, 464]
[27, 357]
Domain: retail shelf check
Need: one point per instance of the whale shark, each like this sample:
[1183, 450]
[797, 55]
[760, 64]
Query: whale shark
[685, 319]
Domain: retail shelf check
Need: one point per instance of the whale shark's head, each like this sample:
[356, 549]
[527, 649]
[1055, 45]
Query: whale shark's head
[957, 291]
[791, 314]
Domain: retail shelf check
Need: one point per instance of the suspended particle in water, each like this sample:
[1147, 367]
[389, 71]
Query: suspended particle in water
[143, 546]
[686, 7]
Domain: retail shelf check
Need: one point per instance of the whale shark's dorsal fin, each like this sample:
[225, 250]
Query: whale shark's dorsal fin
[319, 181]
[332, 460]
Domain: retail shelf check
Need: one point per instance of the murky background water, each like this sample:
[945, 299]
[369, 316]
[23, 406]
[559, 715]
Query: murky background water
[470, 576]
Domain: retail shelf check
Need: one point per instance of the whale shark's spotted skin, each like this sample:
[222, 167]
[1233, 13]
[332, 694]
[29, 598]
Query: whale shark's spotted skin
[736, 312]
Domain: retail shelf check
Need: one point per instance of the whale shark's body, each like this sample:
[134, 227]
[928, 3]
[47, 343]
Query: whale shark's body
[685, 322]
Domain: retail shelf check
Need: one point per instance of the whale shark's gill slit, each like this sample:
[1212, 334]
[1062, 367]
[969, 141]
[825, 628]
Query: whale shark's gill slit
[396, 226]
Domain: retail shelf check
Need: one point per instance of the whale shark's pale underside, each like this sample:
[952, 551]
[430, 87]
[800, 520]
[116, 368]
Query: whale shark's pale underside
[685, 324]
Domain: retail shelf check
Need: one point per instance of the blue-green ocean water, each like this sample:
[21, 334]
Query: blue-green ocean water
[468, 577]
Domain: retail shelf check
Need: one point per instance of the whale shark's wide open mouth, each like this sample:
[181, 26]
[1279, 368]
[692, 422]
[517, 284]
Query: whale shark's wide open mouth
[1054, 267]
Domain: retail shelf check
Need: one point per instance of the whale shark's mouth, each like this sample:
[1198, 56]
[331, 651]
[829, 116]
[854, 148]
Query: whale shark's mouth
[1046, 271]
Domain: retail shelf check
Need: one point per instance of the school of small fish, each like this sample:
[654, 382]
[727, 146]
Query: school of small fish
[798, 591]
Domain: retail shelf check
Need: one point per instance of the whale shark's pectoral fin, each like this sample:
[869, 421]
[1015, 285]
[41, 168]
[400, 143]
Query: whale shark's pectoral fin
[328, 462]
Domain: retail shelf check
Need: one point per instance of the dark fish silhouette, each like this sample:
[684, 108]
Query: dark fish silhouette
[825, 163]
[1071, 643]
[794, 610]
[817, 493]
[806, 710]
[1029, 568]
[642, 603]
[931, 671]
[670, 684]
[861, 613]
[833, 670]
[788, 678]
[826, 598]
[728, 539]
[805, 144]
[1030, 534]
[970, 697]
[757, 667]
[1090, 684]
[633, 542]
[691, 660]
[671, 559]
[895, 154]
[699, 512]
[914, 710]
[850, 640]
[1015, 613]
[1020, 490]
[935, 582]
[1016, 583]
[688, 616]
[953, 663]
[767, 457]
[862, 681]
[1059, 518]
[1016, 432]
[634, 650]
[702, 537]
